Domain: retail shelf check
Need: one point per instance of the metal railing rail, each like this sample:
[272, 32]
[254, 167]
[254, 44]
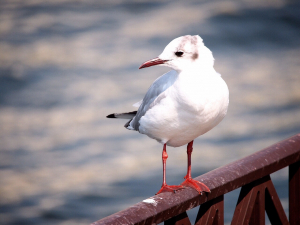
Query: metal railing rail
[257, 195]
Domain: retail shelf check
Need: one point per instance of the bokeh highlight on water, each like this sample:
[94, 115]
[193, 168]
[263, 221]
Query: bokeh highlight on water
[65, 65]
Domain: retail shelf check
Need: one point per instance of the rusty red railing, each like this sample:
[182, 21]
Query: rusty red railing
[257, 195]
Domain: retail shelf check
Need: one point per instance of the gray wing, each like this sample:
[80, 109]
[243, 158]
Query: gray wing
[153, 96]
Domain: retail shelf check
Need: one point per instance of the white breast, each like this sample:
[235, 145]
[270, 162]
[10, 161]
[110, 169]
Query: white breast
[191, 107]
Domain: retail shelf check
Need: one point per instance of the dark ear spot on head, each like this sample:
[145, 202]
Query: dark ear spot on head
[195, 56]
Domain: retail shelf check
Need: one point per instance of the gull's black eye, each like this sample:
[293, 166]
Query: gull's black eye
[179, 54]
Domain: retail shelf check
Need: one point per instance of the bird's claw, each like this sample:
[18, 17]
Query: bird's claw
[197, 185]
[170, 188]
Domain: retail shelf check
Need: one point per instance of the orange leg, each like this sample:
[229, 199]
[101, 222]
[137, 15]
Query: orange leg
[164, 186]
[189, 182]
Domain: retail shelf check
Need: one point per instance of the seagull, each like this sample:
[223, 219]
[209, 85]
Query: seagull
[182, 104]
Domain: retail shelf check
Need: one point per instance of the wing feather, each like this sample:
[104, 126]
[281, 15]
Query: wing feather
[153, 96]
[128, 115]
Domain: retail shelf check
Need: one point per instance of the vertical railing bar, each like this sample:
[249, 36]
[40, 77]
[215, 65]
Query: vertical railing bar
[181, 219]
[294, 193]
[258, 212]
[211, 212]
[274, 207]
[244, 207]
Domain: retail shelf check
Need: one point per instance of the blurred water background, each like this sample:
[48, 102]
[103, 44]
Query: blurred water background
[66, 64]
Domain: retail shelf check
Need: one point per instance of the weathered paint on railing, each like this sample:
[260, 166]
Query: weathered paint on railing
[258, 193]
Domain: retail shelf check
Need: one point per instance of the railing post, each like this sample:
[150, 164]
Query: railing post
[181, 219]
[294, 193]
[211, 212]
[254, 199]
[258, 212]
[250, 196]
[274, 208]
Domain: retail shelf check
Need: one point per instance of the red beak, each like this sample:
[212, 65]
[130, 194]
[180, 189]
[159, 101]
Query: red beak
[152, 62]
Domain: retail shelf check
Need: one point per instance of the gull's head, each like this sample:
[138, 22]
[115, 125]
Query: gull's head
[183, 53]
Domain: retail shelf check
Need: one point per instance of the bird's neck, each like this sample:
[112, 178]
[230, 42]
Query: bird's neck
[196, 71]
